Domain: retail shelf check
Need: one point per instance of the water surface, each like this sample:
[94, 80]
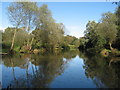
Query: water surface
[71, 69]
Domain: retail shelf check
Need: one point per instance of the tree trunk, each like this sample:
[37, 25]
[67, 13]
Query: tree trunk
[28, 42]
[110, 46]
[31, 43]
[28, 33]
[13, 40]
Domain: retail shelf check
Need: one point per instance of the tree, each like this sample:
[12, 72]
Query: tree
[99, 35]
[7, 36]
[47, 29]
[1, 40]
[92, 39]
[83, 41]
[20, 39]
[107, 28]
[117, 44]
[29, 9]
[90, 32]
[16, 17]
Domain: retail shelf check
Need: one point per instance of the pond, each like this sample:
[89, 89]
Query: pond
[72, 69]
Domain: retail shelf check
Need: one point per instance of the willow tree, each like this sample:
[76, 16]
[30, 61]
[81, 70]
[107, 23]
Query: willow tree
[52, 32]
[22, 14]
[118, 24]
[91, 34]
[107, 28]
[29, 9]
[16, 17]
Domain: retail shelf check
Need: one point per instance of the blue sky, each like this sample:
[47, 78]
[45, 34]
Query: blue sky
[74, 15]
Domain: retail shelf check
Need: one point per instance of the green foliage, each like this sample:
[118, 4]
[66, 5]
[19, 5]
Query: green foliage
[72, 47]
[48, 33]
[92, 38]
[20, 39]
[108, 28]
[83, 42]
[7, 35]
[71, 40]
[16, 48]
[1, 37]
[16, 14]
[90, 31]
[117, 43]
[5, 50]
[99, 35]
[29, 12]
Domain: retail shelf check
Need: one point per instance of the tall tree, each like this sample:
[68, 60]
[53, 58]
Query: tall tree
[50, 29]
[107, 28]
[29, 8]
[16, 17]
[118, 24]
[91, 34]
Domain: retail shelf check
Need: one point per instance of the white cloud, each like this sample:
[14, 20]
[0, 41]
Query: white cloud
[76, 31]
[2, 29]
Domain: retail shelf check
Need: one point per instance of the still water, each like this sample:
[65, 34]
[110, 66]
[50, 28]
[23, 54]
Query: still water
[71, 69]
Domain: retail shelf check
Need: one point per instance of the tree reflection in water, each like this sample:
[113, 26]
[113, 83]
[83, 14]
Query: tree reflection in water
[97, 68]
[41, 69]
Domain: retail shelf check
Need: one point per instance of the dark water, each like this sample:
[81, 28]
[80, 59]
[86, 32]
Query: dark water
[71, 69]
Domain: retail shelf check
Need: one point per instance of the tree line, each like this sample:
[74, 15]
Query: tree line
[34, 28]
[104, 34]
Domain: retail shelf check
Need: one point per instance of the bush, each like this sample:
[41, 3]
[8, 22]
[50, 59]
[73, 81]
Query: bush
[16, 48]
